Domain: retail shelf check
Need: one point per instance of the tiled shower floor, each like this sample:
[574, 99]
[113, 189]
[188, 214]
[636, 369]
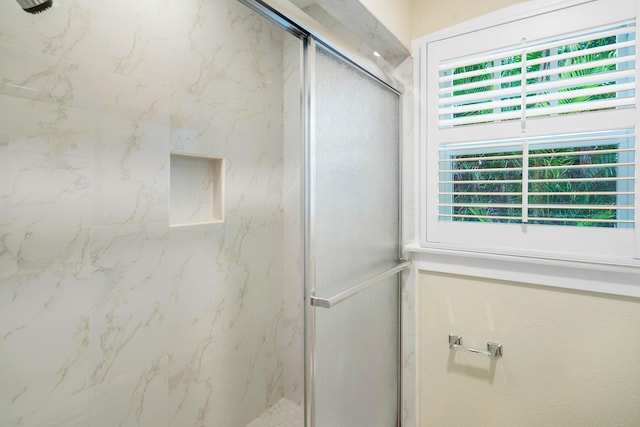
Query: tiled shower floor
[284, 413]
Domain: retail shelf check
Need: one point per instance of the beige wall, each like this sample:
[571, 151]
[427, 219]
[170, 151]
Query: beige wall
[570, 358]
[432, 15]
[395, 15]
[410, 19]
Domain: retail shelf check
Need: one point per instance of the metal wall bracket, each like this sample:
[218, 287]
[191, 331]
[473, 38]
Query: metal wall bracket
[494, 350]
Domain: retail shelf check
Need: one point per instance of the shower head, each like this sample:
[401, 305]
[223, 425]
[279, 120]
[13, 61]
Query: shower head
[35, 6]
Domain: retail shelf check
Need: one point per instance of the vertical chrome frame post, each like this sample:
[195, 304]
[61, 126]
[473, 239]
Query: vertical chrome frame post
[401, 274]
[309, 57]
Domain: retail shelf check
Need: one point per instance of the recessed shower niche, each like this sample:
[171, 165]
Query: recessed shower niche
[196, 190]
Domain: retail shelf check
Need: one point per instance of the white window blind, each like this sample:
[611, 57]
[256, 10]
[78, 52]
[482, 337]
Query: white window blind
[590, 71]
[579, 179]
[531, 135]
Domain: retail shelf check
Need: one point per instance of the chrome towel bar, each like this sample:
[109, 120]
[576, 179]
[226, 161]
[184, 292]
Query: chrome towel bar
[337, 299]
[494, 350]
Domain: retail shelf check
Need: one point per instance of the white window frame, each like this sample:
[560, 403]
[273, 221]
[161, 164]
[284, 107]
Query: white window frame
[617, 274]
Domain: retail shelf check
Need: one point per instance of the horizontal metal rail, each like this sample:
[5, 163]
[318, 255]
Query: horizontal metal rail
[494, 349]
[342, 296]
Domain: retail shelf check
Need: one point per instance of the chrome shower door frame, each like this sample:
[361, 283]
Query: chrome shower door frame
[312, 301]
[312, 34]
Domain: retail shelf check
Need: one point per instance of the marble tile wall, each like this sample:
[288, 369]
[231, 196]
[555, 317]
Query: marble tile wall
[109, 317]
[292, 328]
[404, 73]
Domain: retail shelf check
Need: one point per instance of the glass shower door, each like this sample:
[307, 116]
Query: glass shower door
[353, 316]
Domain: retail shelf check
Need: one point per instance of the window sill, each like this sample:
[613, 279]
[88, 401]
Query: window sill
[614, 278]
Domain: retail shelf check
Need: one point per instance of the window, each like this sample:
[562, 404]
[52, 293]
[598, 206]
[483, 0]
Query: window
[530, 135]
[572, 180]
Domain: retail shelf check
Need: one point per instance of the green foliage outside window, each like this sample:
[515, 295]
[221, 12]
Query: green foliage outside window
[489, 188]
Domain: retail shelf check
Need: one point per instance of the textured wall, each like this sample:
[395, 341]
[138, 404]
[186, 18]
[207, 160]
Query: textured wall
[107, 315]
[570, 358]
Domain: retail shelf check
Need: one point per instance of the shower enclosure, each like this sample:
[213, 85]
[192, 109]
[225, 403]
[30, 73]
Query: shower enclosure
[351, 171]
[199, 218]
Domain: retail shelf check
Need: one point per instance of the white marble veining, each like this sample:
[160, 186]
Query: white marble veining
[404, 73]
[45, 307]
[292, 330]
[108, 317]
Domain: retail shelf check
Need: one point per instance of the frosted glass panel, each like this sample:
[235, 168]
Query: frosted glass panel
[355, 237]
[356, 159]
[356, 360]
